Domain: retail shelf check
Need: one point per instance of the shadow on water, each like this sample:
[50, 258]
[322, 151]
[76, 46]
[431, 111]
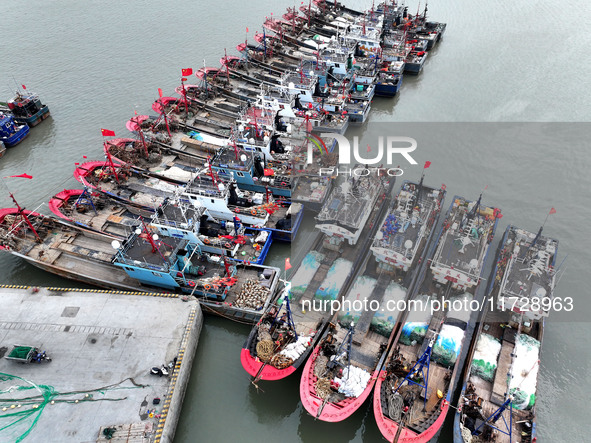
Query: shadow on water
[275, 400]
[312, 430]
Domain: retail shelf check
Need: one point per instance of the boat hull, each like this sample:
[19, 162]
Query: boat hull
[214, 307]
[289, 236]
[17, 137]
[389, 428]
[269, 373]
[331, 412]
[388, 90]
[36, 118]
[359, 117]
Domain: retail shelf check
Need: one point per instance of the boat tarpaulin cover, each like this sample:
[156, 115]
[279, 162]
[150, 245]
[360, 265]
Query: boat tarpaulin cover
[486, 356]
[384, 320]
[524, 372]
[448, 345]
[305, 273]
[361, 290]
[335, 279]
[413, 332]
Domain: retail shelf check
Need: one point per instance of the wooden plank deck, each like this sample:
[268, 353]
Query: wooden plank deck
[500, 384]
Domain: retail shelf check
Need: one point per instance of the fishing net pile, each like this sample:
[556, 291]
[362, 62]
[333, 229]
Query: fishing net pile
[396, 400]
[524, 372]
[265, 350]
[323, 388]
[486, 355]
[22, 402]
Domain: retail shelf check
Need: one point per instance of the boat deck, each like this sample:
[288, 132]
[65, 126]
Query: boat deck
[463, 245]
[408, 220]
[421, 417]
[348, 204]
[311, 190]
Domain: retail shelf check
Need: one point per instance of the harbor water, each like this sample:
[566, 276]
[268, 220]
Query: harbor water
[95, 63]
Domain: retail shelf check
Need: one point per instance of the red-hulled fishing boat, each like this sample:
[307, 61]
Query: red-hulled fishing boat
[413, 392]
[341, 372]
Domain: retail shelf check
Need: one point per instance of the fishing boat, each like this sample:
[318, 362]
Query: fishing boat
[499, 391]
[344, 215]
[224, 201]
[324, 274]
[11, 133]
[389, 78]
[413, 392]
[360, 96]
[388, 83]
[415, 61]
[177, 218]
[142, 192]
[143, 262]
[253, 172]
[341, 372]
[28, 109]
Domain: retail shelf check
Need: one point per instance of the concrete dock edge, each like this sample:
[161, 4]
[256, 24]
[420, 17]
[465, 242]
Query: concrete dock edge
[173, 403]
[180, 376]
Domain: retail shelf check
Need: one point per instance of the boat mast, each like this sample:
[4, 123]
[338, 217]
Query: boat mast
[85, 197]
[21, 212]
[163, 112]
[139, 128]
[494, 417]
[423, 362]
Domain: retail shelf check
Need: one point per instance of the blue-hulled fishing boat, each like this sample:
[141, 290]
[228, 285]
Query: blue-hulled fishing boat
[11, 133]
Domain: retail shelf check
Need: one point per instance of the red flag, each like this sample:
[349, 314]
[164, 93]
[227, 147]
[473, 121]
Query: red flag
[552, 211]
[186, 72]
[427, 164]
[247, 29]
[84, 156]
[160, 92]
[287, 264]
[24, 87]
[107, 132]
[368, 148]
[20, 176]
[76, 164]
[183, 79]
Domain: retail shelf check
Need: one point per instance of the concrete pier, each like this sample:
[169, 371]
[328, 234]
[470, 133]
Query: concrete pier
[102, 345]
